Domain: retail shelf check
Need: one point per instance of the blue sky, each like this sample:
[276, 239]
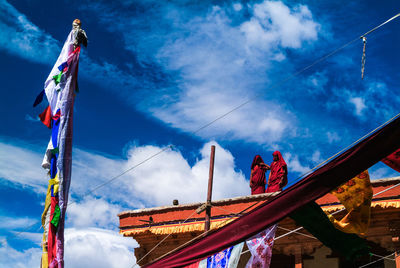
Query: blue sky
[156, 72]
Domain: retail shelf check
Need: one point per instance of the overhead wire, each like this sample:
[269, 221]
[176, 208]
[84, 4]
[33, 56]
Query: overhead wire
[384, 257]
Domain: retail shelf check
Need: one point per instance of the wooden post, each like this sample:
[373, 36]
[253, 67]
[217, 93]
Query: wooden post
[209, 191]
[298, 261]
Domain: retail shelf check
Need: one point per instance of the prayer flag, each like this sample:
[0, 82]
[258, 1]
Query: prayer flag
[356, 196]
[260, 247]
[228, 258]
[45, 117]
[59, 90]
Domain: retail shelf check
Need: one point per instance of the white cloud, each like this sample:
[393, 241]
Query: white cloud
[157, 183]
[274, 23]
[21, 165]
[93, 212]
[10, 257]
[332, 137]
[12, 223]
[84, 247]
[294, 164]
[316, 83]
[220, 66]
[21, 37]
[93, 247]
[237, 6]
[359, 105]
[316, 157]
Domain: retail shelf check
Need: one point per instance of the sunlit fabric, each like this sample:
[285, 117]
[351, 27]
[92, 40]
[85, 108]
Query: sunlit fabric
[356, 196]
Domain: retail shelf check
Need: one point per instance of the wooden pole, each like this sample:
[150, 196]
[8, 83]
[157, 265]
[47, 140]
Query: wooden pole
[209, 192]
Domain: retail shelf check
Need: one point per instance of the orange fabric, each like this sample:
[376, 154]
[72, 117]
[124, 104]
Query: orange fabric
[356, 196]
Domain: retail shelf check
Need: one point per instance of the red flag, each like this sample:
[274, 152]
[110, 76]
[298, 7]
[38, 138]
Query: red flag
[45, 117]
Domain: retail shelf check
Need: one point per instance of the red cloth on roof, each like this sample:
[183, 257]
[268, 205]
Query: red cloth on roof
[348, 164]
[257, 177]
[278, 176]
[393, 160]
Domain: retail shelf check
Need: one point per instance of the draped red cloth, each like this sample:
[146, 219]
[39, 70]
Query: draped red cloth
[278, 175]
[340, 169]
[393, 160]
[257, 178]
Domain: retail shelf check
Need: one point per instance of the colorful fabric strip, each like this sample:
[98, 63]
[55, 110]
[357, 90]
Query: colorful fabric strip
[260, 247]
[219, 260]
[60, 93]
[63, 67]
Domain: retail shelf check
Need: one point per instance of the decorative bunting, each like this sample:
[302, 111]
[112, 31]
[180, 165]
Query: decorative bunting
[260, 247]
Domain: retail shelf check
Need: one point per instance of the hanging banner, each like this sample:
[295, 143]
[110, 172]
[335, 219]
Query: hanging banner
[59, 89]
[260, 247]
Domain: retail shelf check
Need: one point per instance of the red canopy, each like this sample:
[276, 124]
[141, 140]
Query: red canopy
[345, 166]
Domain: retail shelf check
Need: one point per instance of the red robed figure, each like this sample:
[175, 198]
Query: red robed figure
[278, 175]
[257, 177]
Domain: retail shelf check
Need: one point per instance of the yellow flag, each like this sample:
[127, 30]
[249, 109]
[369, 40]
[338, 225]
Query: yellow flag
[355, 195]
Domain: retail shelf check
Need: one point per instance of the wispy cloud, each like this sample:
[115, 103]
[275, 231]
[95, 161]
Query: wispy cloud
[221, 64]
[12, 223]
[21, 164]
[22, 38]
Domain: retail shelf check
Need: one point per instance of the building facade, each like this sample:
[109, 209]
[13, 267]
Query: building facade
[160, 230]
